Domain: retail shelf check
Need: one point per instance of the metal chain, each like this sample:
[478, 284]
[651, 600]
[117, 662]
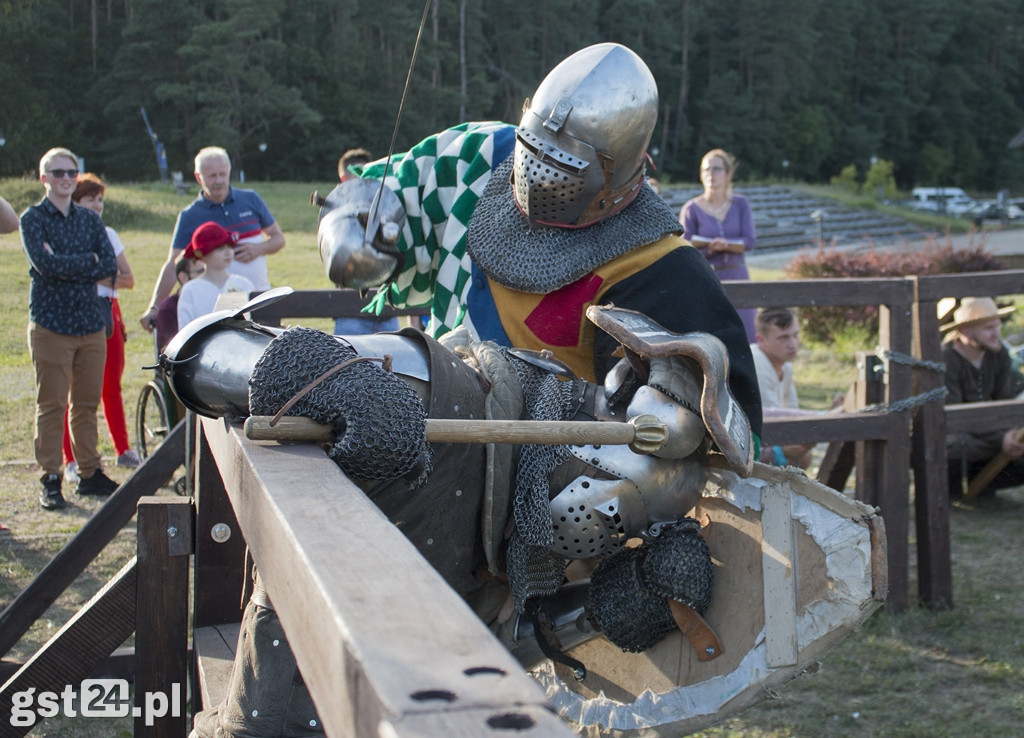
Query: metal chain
[908, 360]
[907, 403]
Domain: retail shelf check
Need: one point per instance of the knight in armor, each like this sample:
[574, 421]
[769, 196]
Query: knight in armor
[509, 234]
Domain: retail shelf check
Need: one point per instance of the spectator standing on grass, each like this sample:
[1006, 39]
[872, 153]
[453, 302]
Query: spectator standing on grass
[215, 247]
[68, 252]
[721, 225]
[239, 211]
[349, 167]
[89, 193]
[978, 370]
[778, 341]
[185, 270]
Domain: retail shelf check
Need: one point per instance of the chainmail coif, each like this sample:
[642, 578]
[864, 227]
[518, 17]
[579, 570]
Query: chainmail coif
[381, 422]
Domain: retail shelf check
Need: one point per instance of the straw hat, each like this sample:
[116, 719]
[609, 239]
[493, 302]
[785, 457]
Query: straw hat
[973, 310]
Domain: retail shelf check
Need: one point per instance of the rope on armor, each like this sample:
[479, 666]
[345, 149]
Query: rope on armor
[380, 421]
[384, 362]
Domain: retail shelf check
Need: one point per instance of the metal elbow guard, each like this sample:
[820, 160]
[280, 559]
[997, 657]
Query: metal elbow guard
[358, 231]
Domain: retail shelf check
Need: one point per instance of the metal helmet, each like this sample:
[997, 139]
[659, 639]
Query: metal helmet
[581, 146]
[360, 224]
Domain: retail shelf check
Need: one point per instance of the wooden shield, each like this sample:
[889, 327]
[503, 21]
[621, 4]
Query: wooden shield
[798, 566]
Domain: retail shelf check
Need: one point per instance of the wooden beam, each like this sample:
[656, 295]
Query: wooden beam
[220, 548]
[933, 287]
[379, 637]
[44, 589]
[826, 428]
[837, 464]
[976, 416]
[868, 390]
[78, 648]
[896, 336]
[929, 463]
[165, 535]
[820, 292]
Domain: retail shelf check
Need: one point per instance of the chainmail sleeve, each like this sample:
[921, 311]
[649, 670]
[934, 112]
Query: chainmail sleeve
[380, 421]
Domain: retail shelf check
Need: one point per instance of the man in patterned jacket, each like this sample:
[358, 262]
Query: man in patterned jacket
[68, 252]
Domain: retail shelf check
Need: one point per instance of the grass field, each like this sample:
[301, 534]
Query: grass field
[920, 673]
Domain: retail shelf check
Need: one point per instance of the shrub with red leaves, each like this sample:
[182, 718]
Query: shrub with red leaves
[820, 324]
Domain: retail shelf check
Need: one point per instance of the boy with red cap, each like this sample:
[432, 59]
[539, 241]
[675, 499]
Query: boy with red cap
[214, 246]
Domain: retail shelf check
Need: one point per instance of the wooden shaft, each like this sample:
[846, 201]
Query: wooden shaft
[442, 430]
[991, 469]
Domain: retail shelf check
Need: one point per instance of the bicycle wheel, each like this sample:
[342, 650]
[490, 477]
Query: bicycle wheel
[151, 419]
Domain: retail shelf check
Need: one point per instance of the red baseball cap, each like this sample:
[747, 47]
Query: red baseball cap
[207, 237]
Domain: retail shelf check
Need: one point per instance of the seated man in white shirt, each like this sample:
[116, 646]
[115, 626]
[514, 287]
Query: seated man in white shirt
[778, 339]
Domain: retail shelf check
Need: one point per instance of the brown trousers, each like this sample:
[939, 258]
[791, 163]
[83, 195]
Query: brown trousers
[69, 369]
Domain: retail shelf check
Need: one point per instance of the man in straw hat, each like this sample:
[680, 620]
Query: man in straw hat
[978, 370]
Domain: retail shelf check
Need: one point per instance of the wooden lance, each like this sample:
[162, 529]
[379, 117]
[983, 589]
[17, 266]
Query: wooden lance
[644, 434]
[991, 469]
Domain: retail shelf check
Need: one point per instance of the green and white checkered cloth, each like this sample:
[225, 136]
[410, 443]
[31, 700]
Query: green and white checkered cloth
[439, 182]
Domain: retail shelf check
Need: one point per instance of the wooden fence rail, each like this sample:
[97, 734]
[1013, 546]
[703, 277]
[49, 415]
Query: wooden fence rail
[353, 594]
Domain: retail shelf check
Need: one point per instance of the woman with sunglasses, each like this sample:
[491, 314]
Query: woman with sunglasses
[720, 224]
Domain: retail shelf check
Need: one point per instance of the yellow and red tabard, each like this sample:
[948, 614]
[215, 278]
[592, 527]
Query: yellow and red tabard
[557, 321]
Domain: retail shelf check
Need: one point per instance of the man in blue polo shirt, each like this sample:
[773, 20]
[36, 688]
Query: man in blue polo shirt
[237, 210]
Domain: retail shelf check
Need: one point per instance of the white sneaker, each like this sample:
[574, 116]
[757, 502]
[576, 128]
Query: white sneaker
[129, 458]
[71, 472]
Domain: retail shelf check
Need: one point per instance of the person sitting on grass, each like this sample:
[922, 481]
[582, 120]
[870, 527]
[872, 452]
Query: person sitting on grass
[214, 246]
[166, 321]
[778, 340]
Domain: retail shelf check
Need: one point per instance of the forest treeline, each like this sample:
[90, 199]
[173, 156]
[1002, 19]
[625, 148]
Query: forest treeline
[797, 89]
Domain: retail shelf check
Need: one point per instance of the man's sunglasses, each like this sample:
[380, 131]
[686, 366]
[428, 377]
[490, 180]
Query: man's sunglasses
[61, 173]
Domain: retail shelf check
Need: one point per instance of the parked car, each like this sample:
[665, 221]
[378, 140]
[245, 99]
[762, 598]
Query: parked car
[991, 210]
[946, 200]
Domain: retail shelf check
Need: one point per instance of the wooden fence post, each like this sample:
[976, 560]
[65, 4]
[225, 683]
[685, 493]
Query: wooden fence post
[928, 461]
[165, 538]
[220, 545]
[894, 336]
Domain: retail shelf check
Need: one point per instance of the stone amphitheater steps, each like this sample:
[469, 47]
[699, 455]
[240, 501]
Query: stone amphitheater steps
[783, 219]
